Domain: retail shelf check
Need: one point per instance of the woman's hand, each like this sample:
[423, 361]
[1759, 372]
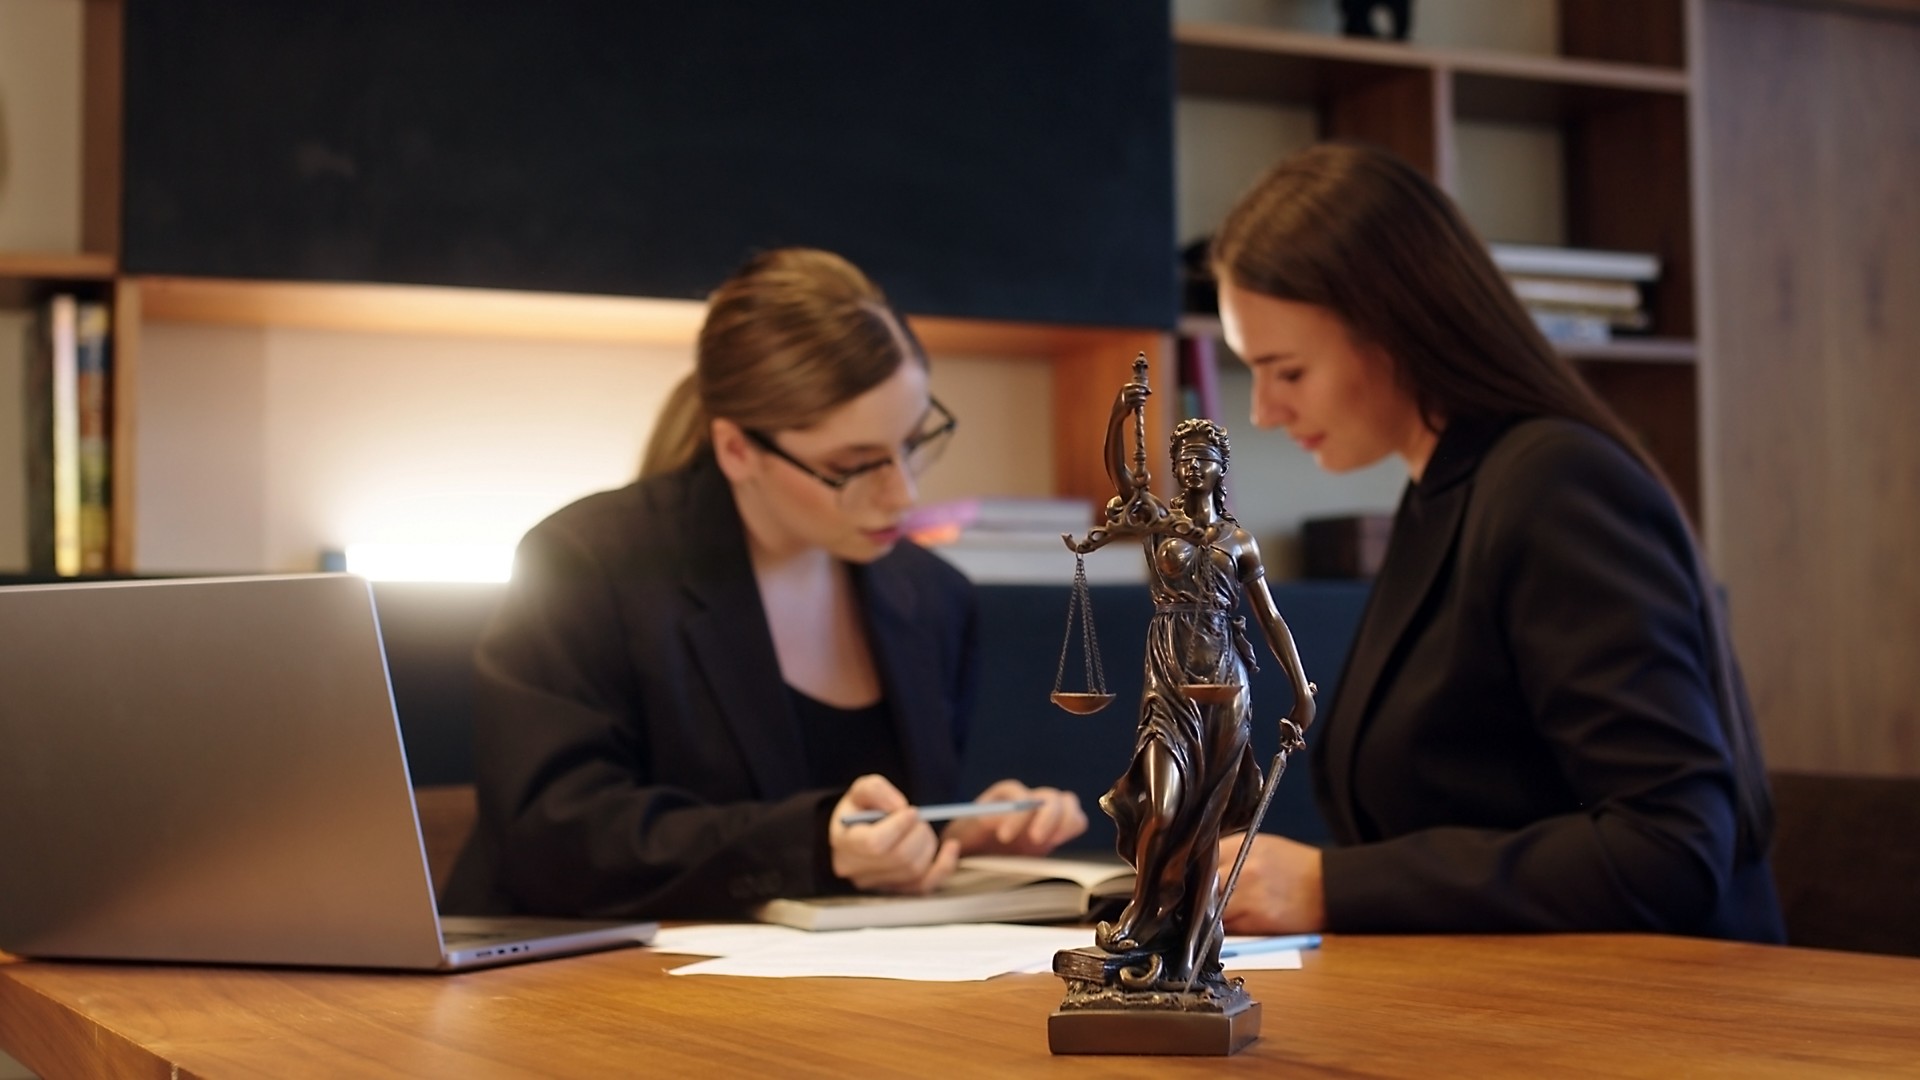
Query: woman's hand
[1055, 821]
[1280, 889]
[899, 853]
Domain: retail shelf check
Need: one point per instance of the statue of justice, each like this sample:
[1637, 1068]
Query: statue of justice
[1152, 982]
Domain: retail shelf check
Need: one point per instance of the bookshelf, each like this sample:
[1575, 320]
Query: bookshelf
[28, 278]
[1616, 100]
[1618, 94]
[1077, 356]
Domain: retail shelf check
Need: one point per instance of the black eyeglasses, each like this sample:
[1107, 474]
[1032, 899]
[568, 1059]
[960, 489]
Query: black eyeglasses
[920, 451]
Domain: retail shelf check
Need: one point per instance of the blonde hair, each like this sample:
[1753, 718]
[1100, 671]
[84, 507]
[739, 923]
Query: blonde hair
[792, 335]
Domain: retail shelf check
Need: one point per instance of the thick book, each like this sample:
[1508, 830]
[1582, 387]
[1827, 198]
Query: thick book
[1020, 558]
[52, 424]
[985, 888]
[1595, 293]
[1523, 259]
[94, 397]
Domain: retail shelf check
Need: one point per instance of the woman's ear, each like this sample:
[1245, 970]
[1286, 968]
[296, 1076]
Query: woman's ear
[735, 452]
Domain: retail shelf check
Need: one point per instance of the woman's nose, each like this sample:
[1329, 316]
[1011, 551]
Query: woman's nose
[901, 490]
[1268, 411]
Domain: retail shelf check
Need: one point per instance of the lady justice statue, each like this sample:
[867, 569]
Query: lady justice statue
[1153, 983]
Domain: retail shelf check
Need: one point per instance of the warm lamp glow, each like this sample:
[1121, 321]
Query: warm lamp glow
[431, 562]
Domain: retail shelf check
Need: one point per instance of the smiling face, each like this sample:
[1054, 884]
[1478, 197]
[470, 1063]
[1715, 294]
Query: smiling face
[1335, 397]
[787, 510]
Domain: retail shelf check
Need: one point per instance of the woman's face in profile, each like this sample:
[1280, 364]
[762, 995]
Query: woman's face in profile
[1338, 400]
[861, 521]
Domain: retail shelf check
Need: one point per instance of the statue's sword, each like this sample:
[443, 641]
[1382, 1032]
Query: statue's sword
[1292, 739]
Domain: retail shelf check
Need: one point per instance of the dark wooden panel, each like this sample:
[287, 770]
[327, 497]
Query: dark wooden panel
[1636, 31]
[1658, 403]
[1399, 110]
[1813, 382]
[1628, 190]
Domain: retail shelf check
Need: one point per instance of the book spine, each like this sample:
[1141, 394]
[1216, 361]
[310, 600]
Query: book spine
[66, 435]
[94, 379]
[36, 421]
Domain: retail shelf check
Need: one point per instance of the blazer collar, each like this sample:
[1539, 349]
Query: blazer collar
[728, 636]
[726, 631]
[906, 649]
[1426, 528]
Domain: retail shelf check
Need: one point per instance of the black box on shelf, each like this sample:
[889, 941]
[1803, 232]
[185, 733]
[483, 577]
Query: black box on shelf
[1348, 546]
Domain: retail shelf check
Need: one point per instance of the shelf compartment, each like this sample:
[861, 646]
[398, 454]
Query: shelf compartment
[1080, 357]
[27, 275]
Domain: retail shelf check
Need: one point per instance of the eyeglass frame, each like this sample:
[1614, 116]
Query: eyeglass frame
[839, 483]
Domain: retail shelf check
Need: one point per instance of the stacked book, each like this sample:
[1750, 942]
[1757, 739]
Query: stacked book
[1580, 296]
[68, 425]
[1015, 540]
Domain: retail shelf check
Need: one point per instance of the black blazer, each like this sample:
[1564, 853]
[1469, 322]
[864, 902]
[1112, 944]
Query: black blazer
[636, 748]
[1524, 737]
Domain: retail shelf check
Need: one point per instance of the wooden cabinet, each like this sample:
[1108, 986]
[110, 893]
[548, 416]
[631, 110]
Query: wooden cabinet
[1618, 99]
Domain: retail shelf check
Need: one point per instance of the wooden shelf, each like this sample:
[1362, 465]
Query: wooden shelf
[1641, 350]
[423, 309]
[26, 275]
[56, 266]
[1287, 65]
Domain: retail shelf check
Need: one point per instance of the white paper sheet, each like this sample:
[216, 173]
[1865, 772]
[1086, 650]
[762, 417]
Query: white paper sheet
[954, 953]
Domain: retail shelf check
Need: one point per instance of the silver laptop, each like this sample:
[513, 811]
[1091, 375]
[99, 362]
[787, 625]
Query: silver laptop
[211, 770]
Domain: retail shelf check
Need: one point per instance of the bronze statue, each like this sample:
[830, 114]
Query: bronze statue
[1193, 775]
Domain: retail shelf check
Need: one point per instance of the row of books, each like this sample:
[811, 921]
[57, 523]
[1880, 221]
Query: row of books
[1578, 295]
[68, 423]
[1013, 540]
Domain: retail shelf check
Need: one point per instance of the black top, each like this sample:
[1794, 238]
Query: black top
[1525, 736]
[636, 750]
[845, 744]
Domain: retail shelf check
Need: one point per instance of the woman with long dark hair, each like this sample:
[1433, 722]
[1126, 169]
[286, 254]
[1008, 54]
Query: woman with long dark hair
[1541, 725]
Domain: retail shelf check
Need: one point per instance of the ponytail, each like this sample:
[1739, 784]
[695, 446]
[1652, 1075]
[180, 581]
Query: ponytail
[679, 431]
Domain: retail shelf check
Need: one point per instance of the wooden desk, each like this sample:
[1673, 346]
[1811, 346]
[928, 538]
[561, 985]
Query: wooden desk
[1563, 1006]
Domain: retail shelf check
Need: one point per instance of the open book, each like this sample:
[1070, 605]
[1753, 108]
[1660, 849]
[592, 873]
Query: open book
[986, 888]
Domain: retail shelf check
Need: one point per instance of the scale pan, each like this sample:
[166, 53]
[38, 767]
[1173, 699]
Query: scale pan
[1210, 693]
[1081, 704]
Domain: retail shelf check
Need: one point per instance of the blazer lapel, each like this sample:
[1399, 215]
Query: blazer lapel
[726, 633]
[1425, 530]
[908, 656]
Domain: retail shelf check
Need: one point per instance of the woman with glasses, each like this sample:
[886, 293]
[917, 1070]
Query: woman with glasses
[695, 678]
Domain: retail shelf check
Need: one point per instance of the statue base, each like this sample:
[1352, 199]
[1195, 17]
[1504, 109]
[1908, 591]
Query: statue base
[1107, 1012]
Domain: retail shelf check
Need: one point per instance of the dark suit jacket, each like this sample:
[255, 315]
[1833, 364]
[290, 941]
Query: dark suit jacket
[1524, 737]
[637, 750]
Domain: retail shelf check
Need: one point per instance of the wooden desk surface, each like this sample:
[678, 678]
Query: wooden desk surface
[1565, 1006]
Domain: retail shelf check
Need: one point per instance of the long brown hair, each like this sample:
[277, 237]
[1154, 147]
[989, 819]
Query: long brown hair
[1360, 232]
[793, 334]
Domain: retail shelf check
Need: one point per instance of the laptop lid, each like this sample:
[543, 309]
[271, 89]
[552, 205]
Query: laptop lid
[210, 770]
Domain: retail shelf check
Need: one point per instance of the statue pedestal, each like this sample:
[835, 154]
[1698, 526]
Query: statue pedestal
[1104, 1014]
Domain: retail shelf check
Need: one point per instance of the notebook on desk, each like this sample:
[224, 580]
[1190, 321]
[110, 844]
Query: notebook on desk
[211, 771]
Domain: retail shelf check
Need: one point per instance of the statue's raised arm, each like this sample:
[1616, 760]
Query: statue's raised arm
[1134, 510]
